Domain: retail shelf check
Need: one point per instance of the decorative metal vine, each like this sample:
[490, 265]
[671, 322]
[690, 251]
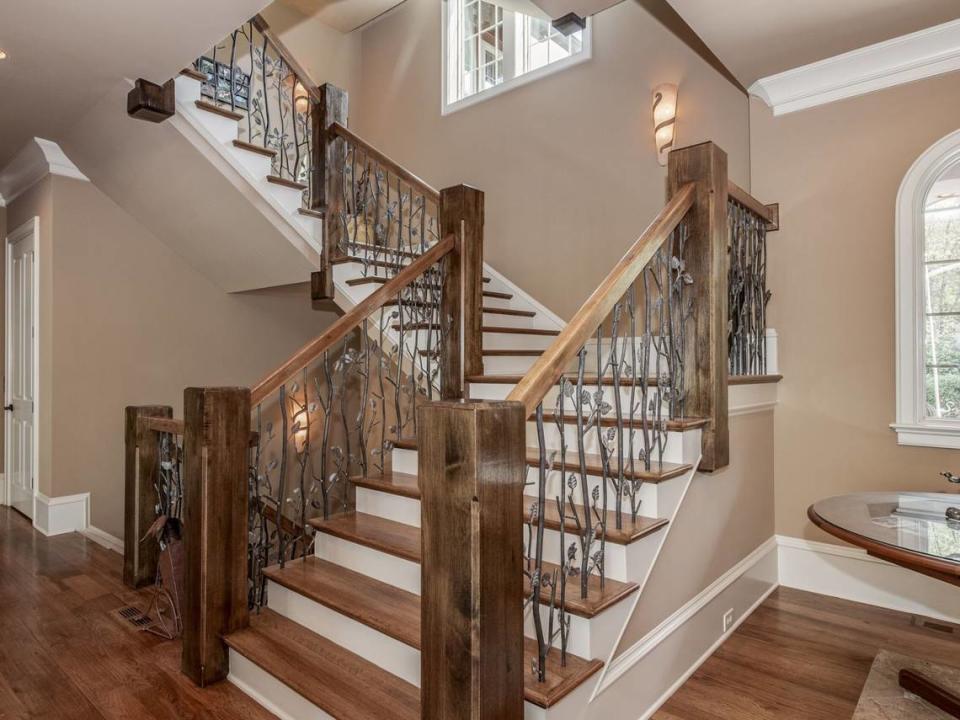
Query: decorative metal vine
[339, 418]
[607, 430]
[246, 74]
[748, 291]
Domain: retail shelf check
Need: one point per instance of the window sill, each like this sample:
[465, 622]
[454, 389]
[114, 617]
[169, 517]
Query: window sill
[520, 80]
[924, 435]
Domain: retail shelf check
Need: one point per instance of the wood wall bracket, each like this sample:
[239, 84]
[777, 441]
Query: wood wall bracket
[151, 102]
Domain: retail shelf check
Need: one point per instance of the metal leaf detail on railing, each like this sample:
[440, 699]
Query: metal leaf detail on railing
[748, 293]
[607, 431]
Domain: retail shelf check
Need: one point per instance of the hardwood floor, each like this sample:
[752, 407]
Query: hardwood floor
[64, 653]
[802, 656]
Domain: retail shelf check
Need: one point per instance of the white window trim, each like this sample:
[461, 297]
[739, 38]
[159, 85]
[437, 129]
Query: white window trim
[507, 85]
[912, 425]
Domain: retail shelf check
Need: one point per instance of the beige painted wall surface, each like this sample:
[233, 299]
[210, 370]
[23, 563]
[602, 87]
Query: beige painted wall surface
[836, 171]
[567, 162]
[725, 516]
[38, 202]
[133, 324]
[327, 54]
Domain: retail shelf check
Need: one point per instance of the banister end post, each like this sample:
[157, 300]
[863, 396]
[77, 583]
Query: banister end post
[707, 261]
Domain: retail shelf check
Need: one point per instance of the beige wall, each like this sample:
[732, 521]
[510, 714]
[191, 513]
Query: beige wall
[125, 321]
[725, 516]
[327, 54]
[836, 170]
[567, 162]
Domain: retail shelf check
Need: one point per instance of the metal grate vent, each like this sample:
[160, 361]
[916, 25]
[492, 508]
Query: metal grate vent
[135, 617]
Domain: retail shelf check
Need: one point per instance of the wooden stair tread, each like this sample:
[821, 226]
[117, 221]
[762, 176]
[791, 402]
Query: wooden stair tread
[561, 680]
[385, 605]
[754, 379]
[508, 311]
[311, 213]
[658, 472]
[598, 599]
[386, 252]
[674, 425]
[395, 483]
[385, 608]
[277, 180]
[374, 532]
[195, 74]
[217, 110]
[334, 679]
[519, 331]
[375, 279]
[629, 533]
[513, 353]
[259, 149]
[498, 295]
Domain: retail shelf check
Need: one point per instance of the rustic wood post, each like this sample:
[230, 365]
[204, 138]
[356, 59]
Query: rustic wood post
[461, 214]
[141, 473]
[471, 469]
[706, 371]
[326, 185]
[216, 465]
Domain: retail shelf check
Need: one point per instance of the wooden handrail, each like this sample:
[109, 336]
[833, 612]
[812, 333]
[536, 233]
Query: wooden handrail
[346, 323]
[546, 371]
[738, 194]
[301, 72]
[382, 158]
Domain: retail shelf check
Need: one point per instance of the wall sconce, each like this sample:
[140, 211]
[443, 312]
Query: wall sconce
[664, 119]
[301, 101]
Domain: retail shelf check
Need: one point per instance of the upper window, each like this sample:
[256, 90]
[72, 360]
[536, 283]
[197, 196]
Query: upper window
[488, 48]
[928, 299]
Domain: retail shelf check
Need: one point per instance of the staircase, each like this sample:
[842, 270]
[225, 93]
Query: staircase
[320, 475]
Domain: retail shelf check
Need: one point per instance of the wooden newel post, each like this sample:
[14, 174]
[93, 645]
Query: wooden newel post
[216, 465]
[472, 470]
[706, 371]
[326, 182]
[461, 214]
[141, 472]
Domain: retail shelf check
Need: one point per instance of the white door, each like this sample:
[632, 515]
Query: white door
[20, 383]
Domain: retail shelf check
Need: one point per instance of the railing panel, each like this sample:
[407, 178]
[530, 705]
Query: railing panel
[747, 287]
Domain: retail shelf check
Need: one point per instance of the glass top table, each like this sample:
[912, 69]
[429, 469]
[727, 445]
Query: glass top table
[909, 521]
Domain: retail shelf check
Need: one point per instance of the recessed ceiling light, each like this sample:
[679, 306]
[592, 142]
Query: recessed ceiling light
[3, 55]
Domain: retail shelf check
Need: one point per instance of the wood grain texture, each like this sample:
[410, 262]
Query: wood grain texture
[330, 157]
[471, 473]
[215, 476]
[801, 655]
[452, 297]
[554, 362]
[141, 472]
[286, 182]
[217, 110]
[629, 532]
[347, 322]
[462, 213]
[152, 102]
[258, 149]
[371, 531]
[769, 213]
[65, 653]
[340, 683]
[706, 368]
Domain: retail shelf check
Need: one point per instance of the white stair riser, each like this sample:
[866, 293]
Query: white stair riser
[514, 321]
[389, 506]
[515, 341]
[275, 696]
[312, 226]
[290, 199]
[626, 563]
[223, 129]
[256, 164]
[647, 493]
[187, 89]
[405, 461]
[382, 566]
[588, 637]
[674, 450]
[508, 364]
[390, 654]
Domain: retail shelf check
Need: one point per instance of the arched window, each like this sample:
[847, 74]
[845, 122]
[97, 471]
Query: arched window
[928, 299]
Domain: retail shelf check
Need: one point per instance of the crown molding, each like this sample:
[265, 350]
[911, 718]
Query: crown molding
[37, 159]
[916, 56]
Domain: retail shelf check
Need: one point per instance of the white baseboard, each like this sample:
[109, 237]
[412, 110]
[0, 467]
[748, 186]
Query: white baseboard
[649, 672]
[64, 514]
[850, 573]
[101, 537]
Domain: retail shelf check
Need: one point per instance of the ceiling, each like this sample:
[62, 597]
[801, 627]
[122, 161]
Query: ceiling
[64, 56]
[757, 38]
[342, 15]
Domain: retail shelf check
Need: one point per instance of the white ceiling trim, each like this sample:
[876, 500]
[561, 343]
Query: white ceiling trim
[919, 55]
[37, 159]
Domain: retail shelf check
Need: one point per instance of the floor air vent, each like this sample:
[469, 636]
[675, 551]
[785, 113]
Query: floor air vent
[135, 617]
